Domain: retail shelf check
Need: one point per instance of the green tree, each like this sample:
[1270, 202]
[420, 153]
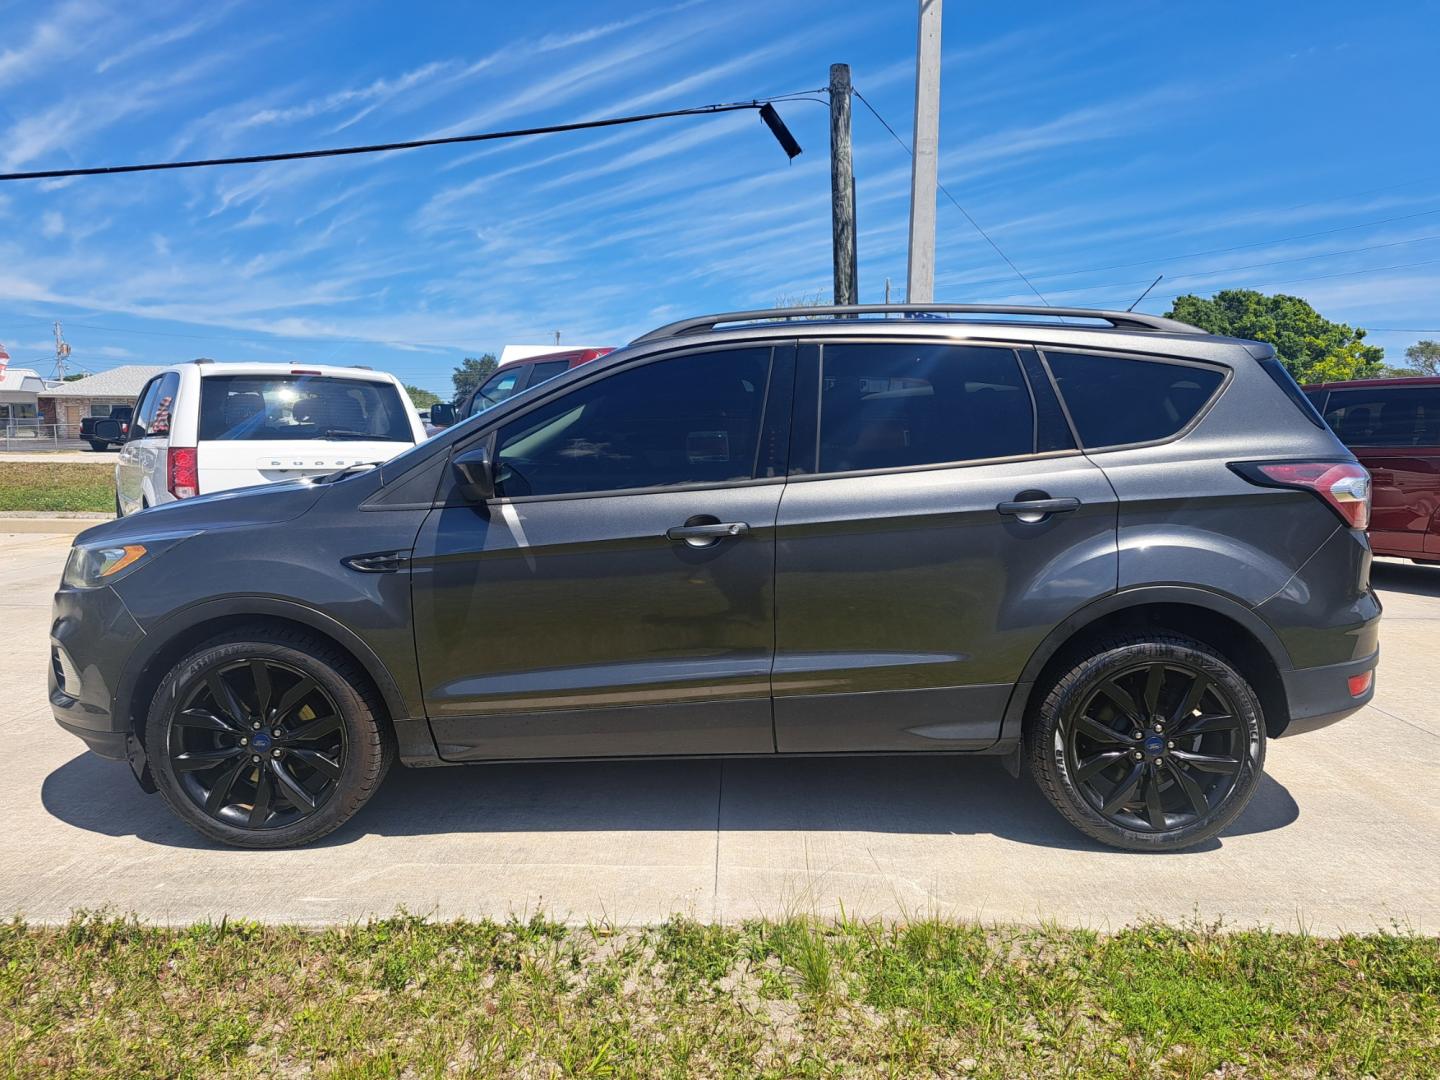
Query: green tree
[1311, 347]
[471, 373]
[1424, 357]
[422, 399]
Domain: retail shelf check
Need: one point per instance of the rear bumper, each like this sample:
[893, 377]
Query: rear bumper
[1319, 696]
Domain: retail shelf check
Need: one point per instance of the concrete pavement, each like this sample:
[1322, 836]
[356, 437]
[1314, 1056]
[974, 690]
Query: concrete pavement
[1343, 835]
[82, 456]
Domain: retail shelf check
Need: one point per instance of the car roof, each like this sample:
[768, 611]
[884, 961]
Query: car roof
[1410, 380]
[207, 368]
[1124, 331]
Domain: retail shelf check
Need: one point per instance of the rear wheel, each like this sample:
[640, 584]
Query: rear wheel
[1150, 743]
[97, 444]
[267, 739]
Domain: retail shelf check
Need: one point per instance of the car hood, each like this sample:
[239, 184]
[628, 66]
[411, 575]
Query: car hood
[267, 504]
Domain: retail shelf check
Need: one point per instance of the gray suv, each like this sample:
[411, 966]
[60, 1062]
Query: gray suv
[1113, 548]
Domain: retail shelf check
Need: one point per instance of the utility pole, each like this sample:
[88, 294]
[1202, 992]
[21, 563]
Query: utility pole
[842, 187]
[920, 282]
[62, 353]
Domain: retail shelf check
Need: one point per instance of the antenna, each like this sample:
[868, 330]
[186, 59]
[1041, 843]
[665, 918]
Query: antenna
[1145, 293]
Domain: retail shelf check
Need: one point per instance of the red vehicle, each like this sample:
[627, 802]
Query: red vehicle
[510, 379]
[1393, 427]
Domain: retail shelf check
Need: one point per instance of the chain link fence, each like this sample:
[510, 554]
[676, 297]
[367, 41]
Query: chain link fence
[34, 434]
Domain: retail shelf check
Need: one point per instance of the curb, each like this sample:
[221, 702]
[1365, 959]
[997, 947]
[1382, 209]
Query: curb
[56, 524]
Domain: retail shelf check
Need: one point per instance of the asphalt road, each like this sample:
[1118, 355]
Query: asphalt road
[1343, 835]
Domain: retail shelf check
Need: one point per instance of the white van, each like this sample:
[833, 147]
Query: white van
[207, 426]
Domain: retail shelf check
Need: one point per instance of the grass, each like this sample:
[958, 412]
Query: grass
[60, 485]
[405, 997]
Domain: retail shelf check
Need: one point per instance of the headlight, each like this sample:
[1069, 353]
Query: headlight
[93, 565]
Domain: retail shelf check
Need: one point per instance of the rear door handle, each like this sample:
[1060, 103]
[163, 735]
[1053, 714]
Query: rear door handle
[707, 534]
[1032, 510]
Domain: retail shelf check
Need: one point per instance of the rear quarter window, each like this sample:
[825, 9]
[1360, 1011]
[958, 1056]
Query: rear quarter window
[1119, 400]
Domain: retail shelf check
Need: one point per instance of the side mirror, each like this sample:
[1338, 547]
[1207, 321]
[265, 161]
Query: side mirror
[110, 430]
[475, 475]
[442, 414]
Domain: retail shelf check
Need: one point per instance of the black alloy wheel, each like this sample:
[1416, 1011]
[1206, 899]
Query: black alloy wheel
[257, 744]
[268, 737]
[1155, 747]
[1149, 743]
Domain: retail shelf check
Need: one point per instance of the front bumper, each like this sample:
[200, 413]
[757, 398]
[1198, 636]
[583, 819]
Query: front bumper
[92, 635]
[1319, 696]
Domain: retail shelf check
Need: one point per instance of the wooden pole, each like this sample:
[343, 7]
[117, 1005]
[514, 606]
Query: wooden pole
[842, 186]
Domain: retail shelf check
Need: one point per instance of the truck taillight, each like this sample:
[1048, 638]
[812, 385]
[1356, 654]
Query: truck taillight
[1344, 486]
[182, 472]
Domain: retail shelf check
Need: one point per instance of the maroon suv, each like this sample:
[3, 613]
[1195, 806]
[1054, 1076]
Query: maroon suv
[1393, 427]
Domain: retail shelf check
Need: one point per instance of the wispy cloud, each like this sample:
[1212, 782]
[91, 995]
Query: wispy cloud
[73, 119]
[66, 32]
[169, 36]
[372, 95]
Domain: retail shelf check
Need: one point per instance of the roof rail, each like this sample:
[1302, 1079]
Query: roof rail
[1127, 320]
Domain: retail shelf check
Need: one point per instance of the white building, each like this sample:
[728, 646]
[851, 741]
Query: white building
[20, 389]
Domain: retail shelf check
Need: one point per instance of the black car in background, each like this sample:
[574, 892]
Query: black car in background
[118, 413]
[1116, 549]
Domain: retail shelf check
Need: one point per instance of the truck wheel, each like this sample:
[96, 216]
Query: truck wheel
[97, 444]
[1150, 743]
[267, 738]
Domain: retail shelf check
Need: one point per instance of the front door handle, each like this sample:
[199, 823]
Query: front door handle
[708, 533]
[1031, 510]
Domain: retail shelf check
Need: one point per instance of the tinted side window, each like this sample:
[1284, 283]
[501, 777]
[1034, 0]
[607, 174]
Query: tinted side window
[1397, 416]
[691, 419]
[888, 406]
[1291, 388]
[162, 407]
[144, 409]
[545, 372]
[1115, 400]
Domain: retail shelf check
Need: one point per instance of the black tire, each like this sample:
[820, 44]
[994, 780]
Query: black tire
[1146, 794]
[337, 767]
[96, 444]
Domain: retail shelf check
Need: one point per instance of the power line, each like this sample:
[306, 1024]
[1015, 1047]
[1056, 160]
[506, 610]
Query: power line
[1327, 277]
[946, 191]
[1222, 250]
[1255, 266]
[378, 148]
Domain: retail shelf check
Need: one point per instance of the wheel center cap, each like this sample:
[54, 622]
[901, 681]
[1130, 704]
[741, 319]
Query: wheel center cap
[1155, 745]
[260, 742]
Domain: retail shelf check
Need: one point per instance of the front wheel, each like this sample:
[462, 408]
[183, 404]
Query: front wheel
[1151, 743]
[266, 739]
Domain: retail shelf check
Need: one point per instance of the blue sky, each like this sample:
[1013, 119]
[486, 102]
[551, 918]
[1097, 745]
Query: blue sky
[1290, 147]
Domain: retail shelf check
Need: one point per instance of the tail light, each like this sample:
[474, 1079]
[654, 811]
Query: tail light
[1343, 486]
[182, 472]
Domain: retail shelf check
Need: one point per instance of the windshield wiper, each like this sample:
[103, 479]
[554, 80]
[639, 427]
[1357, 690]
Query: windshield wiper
[341, 433]
[340, 474]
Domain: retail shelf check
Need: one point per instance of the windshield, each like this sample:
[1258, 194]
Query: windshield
[288, 407]
[502, 384]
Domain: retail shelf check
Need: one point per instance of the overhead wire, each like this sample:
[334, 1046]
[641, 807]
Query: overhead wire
[946, 191]
[380, 148]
